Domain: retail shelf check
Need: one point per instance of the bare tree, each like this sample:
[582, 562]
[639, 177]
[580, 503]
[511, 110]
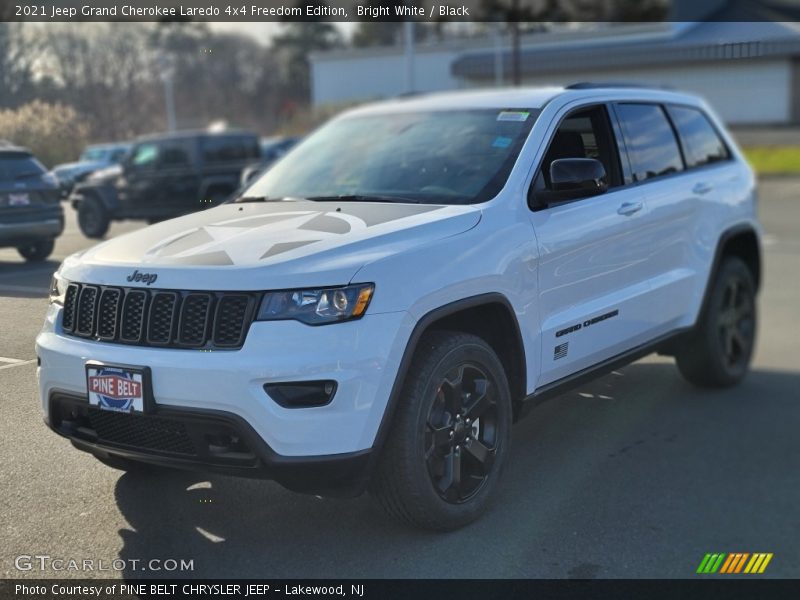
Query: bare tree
[105, 71]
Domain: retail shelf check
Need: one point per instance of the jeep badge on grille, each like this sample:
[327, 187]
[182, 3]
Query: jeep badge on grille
[147, 278]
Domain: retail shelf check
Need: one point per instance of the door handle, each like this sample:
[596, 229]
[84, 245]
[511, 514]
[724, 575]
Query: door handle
[702, 188]
[629, 208]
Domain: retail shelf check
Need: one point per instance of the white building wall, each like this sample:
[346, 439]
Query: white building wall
[354, 78]
[742, 91]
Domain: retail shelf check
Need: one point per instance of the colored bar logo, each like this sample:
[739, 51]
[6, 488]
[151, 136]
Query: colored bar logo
[735, 562]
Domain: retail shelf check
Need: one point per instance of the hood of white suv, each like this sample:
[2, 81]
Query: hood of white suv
[268, 245]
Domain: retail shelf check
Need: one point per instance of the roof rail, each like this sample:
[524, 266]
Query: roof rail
[592, 85]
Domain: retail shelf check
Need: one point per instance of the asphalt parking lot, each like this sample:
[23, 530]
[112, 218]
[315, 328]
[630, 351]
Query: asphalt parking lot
[634, 475]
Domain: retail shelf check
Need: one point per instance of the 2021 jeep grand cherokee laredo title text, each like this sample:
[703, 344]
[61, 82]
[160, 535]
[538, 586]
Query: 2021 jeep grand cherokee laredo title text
[379, 307]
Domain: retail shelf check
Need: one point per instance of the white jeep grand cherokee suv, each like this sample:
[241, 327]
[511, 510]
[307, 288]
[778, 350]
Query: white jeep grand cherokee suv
[379, 307]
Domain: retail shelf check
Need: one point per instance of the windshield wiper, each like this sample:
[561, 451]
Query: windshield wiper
[361, 198]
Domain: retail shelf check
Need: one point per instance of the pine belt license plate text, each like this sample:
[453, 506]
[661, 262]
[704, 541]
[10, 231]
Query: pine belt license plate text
[121, 389]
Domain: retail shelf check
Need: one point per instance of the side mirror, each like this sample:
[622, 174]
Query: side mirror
[573, 178]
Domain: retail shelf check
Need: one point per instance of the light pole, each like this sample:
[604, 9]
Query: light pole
[408, 31]
[497, 38]
[166, 72]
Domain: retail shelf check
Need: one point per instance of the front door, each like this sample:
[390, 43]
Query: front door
[592, 256]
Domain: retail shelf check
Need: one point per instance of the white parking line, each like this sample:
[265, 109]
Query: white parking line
[11, 360]
[18, 364]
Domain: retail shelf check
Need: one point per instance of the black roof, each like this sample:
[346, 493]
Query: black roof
[193, 133]
[8, 148]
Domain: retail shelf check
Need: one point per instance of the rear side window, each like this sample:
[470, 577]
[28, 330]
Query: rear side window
[18, 166]
[701, 142]
[222, 148]
[651, 143]
[175, 153]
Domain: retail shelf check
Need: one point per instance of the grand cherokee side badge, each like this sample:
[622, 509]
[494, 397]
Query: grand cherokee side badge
[146, 278]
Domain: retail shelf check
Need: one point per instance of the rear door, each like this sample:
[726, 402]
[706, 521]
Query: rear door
[712, 179]
[671, 222]
[224, 157]
[179, 175]
[593, 278]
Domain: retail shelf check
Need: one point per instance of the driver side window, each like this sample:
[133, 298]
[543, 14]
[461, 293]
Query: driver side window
[144, 157]
[585, 133]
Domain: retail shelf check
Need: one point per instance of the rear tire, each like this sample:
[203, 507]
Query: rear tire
[450, 436]
[717, 353]
[37, 251]
[93, 218]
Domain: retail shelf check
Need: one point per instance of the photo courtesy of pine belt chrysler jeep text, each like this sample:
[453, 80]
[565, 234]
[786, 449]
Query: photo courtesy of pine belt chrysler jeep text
[377, 309]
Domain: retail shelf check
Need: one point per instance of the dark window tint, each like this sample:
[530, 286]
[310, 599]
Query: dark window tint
[583, 134]
[651, 143]
[17, 166]
[118, 155]
[701, 143]
[226, 148]
[175, 153]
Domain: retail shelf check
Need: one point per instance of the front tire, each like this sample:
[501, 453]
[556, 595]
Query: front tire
[93, 218]
[450, 437]
[37, 251]
[717, 353]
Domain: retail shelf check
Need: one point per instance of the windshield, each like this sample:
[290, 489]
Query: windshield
[94, 154]
[18, 166]
[437, 157]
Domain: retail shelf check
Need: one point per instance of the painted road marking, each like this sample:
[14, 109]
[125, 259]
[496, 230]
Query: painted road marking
[18, 364]
[11, 360]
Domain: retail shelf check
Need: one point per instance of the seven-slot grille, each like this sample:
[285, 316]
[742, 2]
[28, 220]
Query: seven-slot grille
[161, 318]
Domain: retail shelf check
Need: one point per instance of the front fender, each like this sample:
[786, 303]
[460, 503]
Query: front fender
[106, 194]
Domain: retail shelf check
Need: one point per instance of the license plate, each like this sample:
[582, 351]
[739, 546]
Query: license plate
[19, 200]
[118, 388]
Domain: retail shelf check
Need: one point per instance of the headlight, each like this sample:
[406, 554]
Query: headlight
[58, 289]
[50, 179]
[317, 307]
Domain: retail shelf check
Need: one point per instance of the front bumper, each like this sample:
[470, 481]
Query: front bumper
[204, 440]
[362, 356]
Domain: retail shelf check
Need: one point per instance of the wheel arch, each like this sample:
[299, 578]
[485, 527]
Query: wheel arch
[106, 197]
[488, 315]
[741, 241]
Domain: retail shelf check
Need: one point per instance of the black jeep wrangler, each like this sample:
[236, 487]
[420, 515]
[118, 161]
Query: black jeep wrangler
[164, 176]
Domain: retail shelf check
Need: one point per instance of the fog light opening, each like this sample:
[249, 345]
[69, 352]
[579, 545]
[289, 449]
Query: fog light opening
[302, 394]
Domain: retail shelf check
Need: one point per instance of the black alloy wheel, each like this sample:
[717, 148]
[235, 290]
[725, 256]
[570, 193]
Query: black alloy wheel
[461, 436]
